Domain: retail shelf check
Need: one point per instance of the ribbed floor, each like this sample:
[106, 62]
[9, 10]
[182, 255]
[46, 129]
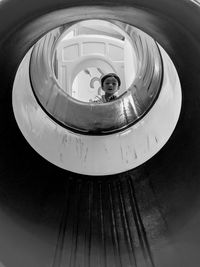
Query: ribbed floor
[101, 226]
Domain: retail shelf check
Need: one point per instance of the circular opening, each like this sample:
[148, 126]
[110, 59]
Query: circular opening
[139, 123]
[64, 59]
[80, 47]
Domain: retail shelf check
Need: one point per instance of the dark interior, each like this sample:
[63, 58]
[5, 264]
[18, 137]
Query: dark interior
[148, 216]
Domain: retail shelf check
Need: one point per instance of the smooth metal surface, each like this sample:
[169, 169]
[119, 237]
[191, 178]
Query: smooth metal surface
[89, 117]
[97, 155]
[38, 200]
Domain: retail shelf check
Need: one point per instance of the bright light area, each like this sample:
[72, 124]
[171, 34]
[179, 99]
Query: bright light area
[98, 155]
[94, 48]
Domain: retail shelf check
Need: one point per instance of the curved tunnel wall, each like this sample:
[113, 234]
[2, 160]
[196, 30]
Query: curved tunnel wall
[96, 155]
[166, 187]
[89, 117]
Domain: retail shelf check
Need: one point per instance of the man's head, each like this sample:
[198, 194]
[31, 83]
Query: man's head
[110, 83]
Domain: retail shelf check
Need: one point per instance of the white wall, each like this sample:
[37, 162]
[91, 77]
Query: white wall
[83, 52]
[86, 85]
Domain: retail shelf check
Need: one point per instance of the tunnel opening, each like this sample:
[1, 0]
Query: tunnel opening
[135, 58]
[88, 50]
[146, 112]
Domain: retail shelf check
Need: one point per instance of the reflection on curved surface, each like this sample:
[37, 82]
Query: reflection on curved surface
[99, 219]
[98, 155]
[90, 117]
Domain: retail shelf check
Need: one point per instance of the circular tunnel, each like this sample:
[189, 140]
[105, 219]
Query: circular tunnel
[147, 216]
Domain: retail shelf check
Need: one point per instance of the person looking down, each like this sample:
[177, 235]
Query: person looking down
[110, 84]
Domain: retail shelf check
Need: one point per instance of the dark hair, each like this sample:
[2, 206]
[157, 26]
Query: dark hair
[108, 76]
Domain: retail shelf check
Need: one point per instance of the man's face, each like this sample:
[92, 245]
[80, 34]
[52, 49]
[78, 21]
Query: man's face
[110, 85]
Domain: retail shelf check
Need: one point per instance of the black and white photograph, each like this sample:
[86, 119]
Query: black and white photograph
[100, 133]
